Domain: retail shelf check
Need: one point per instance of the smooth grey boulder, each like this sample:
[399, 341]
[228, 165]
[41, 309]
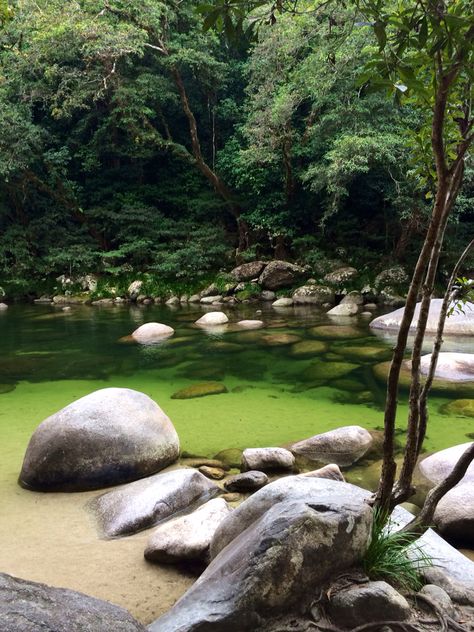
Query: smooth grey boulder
[330, 471]
[3, 307]
[278, 274]
[246, 482]
[320, 492]
[313, 295]
[344, 309]
[209, 300]
[248, 271]
[32, 607]
[456, 325]
[267, 459]
[268, 295]
[342, 446]
[454, 515]
[438, 466]
[144, 503]
[152, 332]
[109, 437]
[454, 367]
[212, 318]
[374, 601]
[187, 537]
[272, 566]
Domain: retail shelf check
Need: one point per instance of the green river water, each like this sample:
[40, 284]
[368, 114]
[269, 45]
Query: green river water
[279, 391]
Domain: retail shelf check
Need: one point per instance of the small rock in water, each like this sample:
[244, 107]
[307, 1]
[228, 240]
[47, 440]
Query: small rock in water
[3, 307]
[265, 459]
[231, 457]
[344, 309]
[283, 302]
[200, 390]
[214, 473]
[187, 537]
[152, 332]
[343, 446]
[250, 324]
[246, 482]
[212, 318]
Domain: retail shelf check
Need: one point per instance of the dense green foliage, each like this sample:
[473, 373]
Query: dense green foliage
[135, 141]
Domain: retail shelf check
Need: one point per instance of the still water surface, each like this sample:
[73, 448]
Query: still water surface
[279, 390]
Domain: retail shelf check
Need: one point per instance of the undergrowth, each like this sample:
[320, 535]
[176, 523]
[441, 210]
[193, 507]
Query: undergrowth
[393, 556]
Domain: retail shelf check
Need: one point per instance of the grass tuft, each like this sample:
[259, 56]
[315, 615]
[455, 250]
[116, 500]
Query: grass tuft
[393, 556]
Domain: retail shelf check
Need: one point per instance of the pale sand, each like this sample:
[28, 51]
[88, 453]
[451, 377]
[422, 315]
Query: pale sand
[51, 538]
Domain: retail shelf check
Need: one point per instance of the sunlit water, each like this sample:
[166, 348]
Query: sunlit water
[277, 393]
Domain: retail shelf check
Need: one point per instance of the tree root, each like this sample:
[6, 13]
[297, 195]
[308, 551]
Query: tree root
[446, 622]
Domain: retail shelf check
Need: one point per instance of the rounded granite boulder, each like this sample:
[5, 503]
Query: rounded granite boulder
[109, 437]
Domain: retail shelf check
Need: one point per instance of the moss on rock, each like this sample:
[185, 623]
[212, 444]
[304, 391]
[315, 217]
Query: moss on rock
[200, 390]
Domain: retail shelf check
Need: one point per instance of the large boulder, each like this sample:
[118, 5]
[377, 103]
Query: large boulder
[454, 515]
[454, 373]
[152, 332]
[395, 276]
[313, 294]
[31, 607]
[274, 564]
[248, 271]
[324, 493]
[457, 324]
[211, 319]
[343, 446]
[108, 437]
[341, 275]
[278, 274]
[438, 466]
[134, 289]
[144, 503]
[187, 537]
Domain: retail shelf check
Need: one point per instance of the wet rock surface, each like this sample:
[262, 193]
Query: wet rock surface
[267, 459]
[343, 446]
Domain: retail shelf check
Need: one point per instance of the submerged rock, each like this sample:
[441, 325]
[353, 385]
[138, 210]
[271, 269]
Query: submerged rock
[187, 537]
[274, 562]
[152, 332]
[457, 408]
[336, 331]
[326, 371]
[307, 348]
[7, 388]
[108, 437]
[144, 503]
[200, 390]
[276, 340]
[231, 457]
[212, 318]
[456, 325]
[27, 606]
[343, 446]
[267, 459]
[367, 353]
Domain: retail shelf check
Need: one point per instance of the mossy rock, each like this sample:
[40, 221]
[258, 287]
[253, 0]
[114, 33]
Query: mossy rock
[327, 371]
[200, 390]
[336, 331]
[367, 353]
[248, 337]
[231, 457]
[6, 388]
[364, 397]
[202, 370]
[458, 408]
[307, 348]
[226, 347]
[276, 340]
[439, 385]
[348, 384]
